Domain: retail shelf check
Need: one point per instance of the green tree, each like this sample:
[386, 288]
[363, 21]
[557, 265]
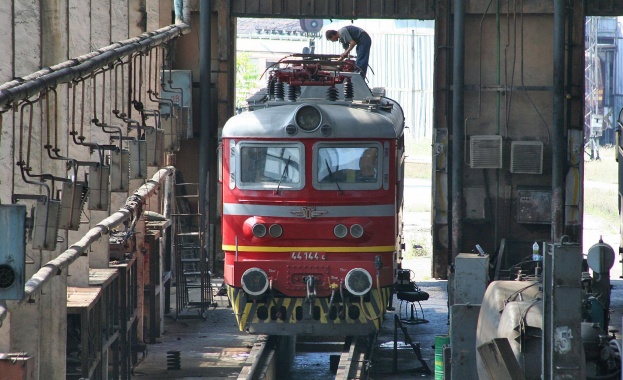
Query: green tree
[246, 77]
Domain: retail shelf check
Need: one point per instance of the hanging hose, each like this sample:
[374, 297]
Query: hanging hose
[272, 294]
[333, 287]
[363, 310]
[342, 297]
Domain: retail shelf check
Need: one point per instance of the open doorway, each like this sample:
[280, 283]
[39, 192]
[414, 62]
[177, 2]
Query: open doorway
[602, 80]
[401, 61]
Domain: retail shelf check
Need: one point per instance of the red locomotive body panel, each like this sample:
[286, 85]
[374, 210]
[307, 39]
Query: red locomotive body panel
[307, 241]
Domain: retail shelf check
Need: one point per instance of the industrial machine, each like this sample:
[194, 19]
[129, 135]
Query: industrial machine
[550, 318]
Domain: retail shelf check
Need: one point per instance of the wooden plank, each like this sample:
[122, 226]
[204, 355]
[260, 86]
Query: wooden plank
[81, 298]
[102, 277]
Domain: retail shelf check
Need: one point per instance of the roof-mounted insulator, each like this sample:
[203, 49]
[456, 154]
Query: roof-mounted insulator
[292, 92]
[348, 89]
[332, 94]
[279, 90]
[271, 87]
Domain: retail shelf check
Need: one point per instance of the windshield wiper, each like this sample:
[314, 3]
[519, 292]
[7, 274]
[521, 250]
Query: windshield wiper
[283, 174]
[331, 175]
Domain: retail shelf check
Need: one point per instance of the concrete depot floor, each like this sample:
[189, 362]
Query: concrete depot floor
[215, 349]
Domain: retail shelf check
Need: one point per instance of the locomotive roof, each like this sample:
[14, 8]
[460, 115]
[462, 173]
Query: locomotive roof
[365, 116]
[347, 119]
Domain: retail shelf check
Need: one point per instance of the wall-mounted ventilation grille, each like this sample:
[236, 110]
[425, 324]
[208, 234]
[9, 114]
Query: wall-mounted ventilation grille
[527, 157]
[486, 152]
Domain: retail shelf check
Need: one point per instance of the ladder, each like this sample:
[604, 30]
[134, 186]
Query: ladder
[193, 293]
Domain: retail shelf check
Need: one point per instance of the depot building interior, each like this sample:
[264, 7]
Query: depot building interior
[509, 128]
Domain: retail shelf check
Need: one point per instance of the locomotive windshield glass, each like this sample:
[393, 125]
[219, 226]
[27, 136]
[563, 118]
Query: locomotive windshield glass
[271, 166]
[347, 166]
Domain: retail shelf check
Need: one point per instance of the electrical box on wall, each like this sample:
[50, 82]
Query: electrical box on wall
[138, 159]
[46, 222]
[120, 171]
[475, 203]
[154, 141]
[534, 205]
[74, 195]
[98, 183]
[177, 90]
[12, 251]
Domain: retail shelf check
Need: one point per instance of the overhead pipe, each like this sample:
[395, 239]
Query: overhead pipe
[182, 12]
[458, 132]
[84, 65]
[558, 144]
[134, 204]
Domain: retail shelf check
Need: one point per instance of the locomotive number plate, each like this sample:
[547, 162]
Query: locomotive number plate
[308, 256]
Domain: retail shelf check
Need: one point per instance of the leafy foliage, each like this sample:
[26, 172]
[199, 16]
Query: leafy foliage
[246, 78]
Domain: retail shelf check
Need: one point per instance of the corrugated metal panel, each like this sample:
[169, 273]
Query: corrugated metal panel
[403, 64]
[336, 9]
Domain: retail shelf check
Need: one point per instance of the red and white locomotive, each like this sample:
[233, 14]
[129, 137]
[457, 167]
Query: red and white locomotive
[312, 188]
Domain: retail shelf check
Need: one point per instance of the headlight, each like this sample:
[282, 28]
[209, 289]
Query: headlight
[259, 230]
[291, 129]
[326, 130]
[358, 281]
[254, 281]
[356, 230]
[340, 231]
[275, 230]
[308, 118]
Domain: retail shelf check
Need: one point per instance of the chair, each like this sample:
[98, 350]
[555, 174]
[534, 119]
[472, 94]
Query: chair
[409, 293]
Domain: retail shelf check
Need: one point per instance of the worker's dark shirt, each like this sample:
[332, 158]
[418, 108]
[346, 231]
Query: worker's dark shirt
[350, 33]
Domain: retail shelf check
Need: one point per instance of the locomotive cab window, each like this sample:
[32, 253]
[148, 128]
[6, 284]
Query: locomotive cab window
[270, 166]
[344, 166]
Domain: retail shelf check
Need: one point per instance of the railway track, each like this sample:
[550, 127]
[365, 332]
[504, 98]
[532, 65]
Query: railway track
[270, 354]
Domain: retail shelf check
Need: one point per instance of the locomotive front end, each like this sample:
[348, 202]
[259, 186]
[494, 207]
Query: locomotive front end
[311, 211]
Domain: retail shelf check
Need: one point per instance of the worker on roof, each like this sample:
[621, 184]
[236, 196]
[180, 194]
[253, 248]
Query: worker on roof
[350, 36]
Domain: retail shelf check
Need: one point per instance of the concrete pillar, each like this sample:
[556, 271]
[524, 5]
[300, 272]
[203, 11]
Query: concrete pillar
[166, 13]
[53, 303]
[101, 22]
[80, 43]
[25, 321]
[118, 20]
[7, 161]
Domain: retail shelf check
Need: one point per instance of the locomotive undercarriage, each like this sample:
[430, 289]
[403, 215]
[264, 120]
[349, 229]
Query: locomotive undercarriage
[280, 315]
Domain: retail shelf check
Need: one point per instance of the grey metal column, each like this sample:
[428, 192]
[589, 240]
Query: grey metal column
[206, 145]
[562, 303]
[558, 143]
[458, 132]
